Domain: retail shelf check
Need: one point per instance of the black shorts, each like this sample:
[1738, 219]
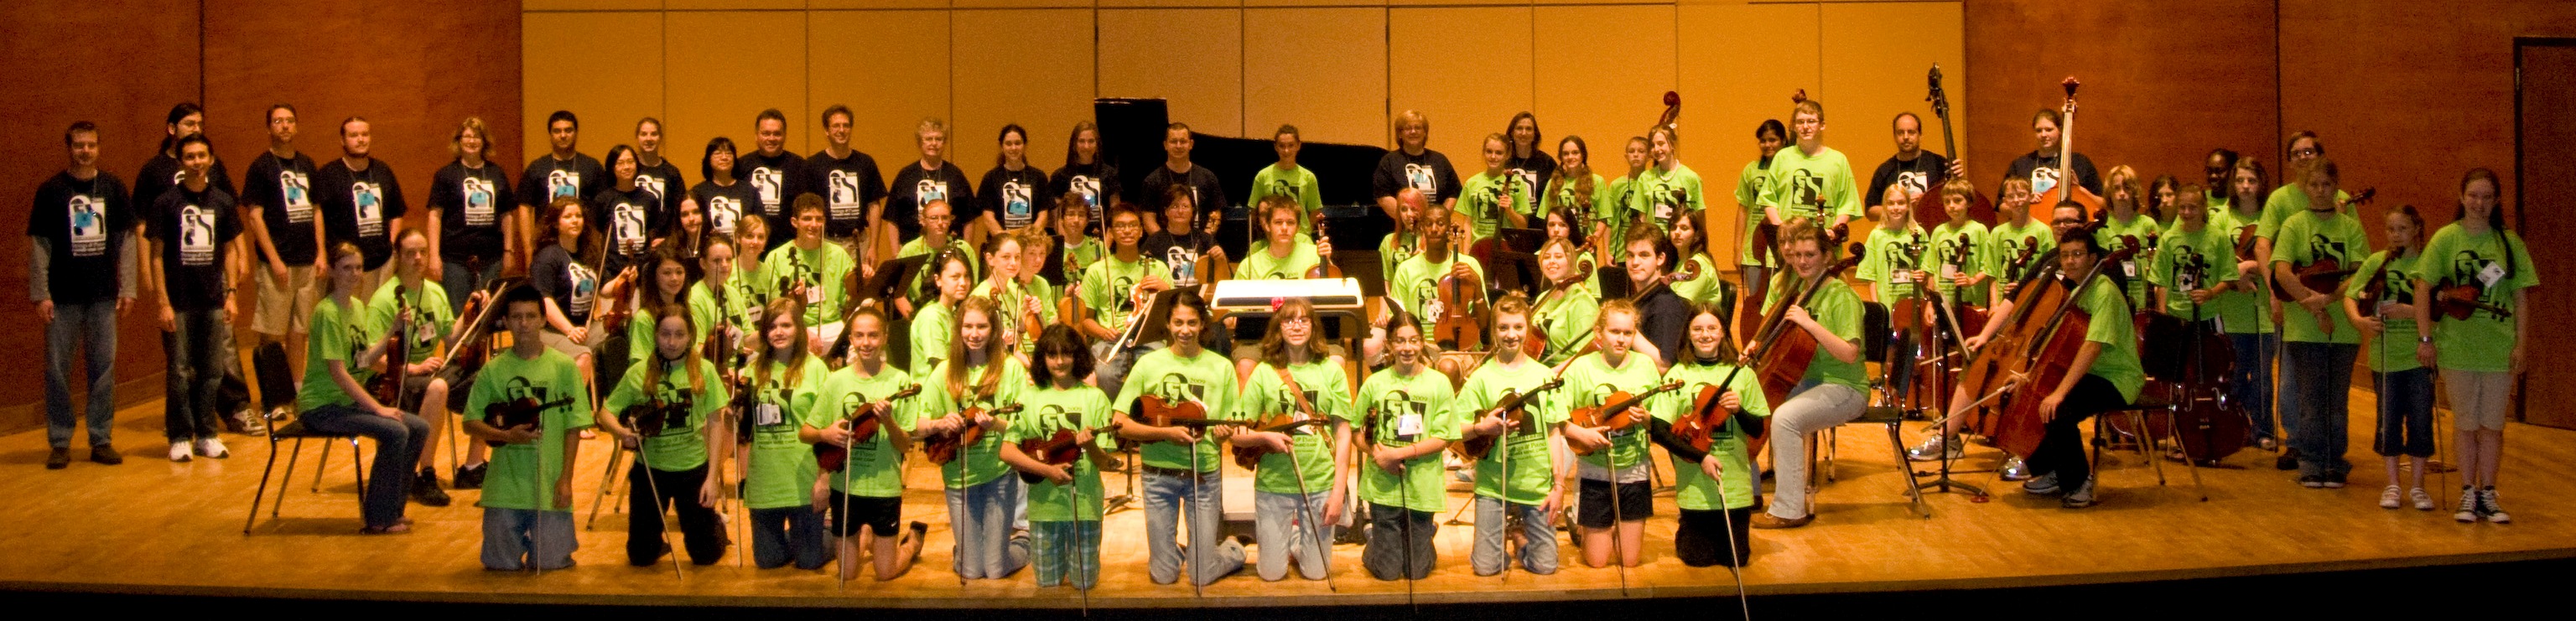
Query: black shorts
[1636, 502]
[879, 514]
[1700, 539]
[416, 387]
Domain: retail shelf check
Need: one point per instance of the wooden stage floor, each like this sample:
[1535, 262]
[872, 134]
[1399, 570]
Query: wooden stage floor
[155, 527]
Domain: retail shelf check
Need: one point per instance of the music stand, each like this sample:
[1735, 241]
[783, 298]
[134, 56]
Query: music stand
[1366, 266]
[1614, 282]
[1513, 270]
[888, 283]
[1152, 323]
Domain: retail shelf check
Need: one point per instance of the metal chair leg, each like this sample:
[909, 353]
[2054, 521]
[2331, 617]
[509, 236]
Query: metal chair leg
[262, 492]
[607, 480]
[357, 468]
[319, 466]
[287, 481]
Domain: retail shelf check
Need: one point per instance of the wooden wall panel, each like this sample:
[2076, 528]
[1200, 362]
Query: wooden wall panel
[1739, 74]
[1321, 69]
[565, 66]
[1000, 79]
[1601, 74]
[1466, 69]
[1875, 56]
[890, 67]
[714, 85]
[1192, 57]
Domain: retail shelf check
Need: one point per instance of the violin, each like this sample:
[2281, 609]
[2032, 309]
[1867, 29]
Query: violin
[516, 412]
[2321, 275]
[656, 417]
[1534, 344]
[1250, 456]
[2458, 302]
[1617, 411]
[1515, 420]
[943, 448]
[1688, 271]
[1154, 411]
[471, 348]
[613, 303]
[864, 425]
[1699, 426]
[387, 387]
[1458, 328]
[1057, 450]
[1785, 350]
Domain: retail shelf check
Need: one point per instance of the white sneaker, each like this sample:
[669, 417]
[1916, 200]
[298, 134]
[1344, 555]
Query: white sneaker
[2468, 513]
[179, 451]
[2388, 497]
[211, 447]
[2423, 501]
[2487, 505]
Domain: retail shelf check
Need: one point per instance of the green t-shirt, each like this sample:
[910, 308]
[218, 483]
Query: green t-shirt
[1258, 264]
[1532, 471]
[1566, 319]
[1893, 257]
[2285, 201]
[923, 287]
[1079, 256]
[875, 468]
[680, 444]
[754, 288]
[1050, 410]
[2118, 334]
[1958, 248]
[2307, 238]
[1705, 288]
[334, 337]
[1416, 285]
[1651, 194]
[706, 311]
[1396, 403]
[2484, 341]
[2187, 261]
[782, 469]
[1838, 309]
[2013, 249]
[980, 462]
[1808, 186]
[1296, 183]
[1589, 380]
[2242, 312]
[431, 316]
[1395, 248]
[1207, 378]
[639, 334]
[523, 475]
[1606, 209]
[1748, 198]
[1480, 198]
[1691, 489]
[1011, 299]
[2115, 235]
[1105, 287]
[1327, 389]
[931, 329]
[822, 269]
[2394, 351]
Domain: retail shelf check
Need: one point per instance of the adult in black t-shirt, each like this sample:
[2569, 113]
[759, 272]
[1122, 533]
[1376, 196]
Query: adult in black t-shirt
[655, 174]
[1086, 175]
[561, 272]
[562, 172]
[82, 228]
[161, 172]
[724, 198]
[277, 195]
[1178, 244]
[776, 176]
[477, 218]
[1013, 193]
[1919, 172]
[852, 187]
[192, 228]
[361, 201]
[1413, 165]
[624, 216]
[2040, 165]
[1207, 194]
[932, 178]
[1663, 318]
[1529, 158]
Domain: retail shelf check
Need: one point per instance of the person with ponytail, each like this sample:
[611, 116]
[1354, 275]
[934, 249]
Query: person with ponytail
[786, 381]
[665, 410]
[2479, 356]
[2405, 391]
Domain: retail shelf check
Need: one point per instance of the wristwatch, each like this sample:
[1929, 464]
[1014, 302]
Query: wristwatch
[2425, 339]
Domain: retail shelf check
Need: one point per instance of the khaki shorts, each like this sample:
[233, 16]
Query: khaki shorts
[2479, 399]
[283, 308]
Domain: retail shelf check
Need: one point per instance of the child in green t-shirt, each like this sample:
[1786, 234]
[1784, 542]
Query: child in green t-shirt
[867, 489]
[540, 395]
[1516, 477]
[1288, 180]
[1064, 499]
[665, 410]
[2482, 354]
[813, 271]
[779, 471]
[1080, 250]
[1181, 464]
[1402, 424]
[2387, 324]
[1564, 313]
[1296, 390]
[962, 409]
[950, 275]
[1713, 487]
[1495, 199]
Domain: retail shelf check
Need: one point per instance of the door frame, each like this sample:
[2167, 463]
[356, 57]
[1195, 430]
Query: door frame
[2522, 211]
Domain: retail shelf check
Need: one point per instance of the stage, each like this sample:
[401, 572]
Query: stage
[151, 527]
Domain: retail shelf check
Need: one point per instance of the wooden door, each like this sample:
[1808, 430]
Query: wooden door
[2545, 183]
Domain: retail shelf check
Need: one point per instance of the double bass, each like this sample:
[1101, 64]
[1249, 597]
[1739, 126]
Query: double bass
[2068, 187]
[1980, 209]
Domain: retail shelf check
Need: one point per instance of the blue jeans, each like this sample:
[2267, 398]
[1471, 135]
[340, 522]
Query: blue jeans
[398, 444]
[1399, 543]
[1538, 538]
[513, 538]
[90, 328]
[1164, 495]
[1062, 544]
[2405, 414]
[2249, 384]
[1288, 525]
[980, 517]
[2316, 379]
[788, 533]
[461, 283]
[196, 374]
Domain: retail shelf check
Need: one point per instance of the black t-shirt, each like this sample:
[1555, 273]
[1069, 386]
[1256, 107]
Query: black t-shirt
[625, 220]
[1664, 319]
[915, 186]
[548, 179]
[1535, 171]
[776, 180]
[82, 220]
[558, 275]
[1096, 182]
[161, 173]
[194, 228]
[357, 205]
[1207, 194]
[725, 204]
[1013, 197]
[664, 182]
[1181, 252]
[848, 185]
[473, 205]
[1924, 175]
[1429, 172]
[2042, 173]
[283, 192]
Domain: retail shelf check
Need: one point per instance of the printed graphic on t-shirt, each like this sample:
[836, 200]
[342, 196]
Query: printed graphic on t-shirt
[845, 205]
[652, 184]
[196, 236]
[370, 200]
[562, 183]
[1914, 183]
[2321, 248]
[1089, 189]
[1420, 178]
[1955, 252]
[2024, 253]
[629, 231]
[518, 388]
[1399, 416]
[1908, 255]
[1019, 204]
[929, 190]
[2190, 267]
[296, 190]
[1175, 387]
[478, 201]
[585, 283]
[768, 182]
[1185, 264]
[1528, 178]
[1281, 187]
[2043, 179]
[1667, 200]
[722, 211]
[1802, 192]
[89, 225]
[676, 403]
[1430, 296]
[2469, 267]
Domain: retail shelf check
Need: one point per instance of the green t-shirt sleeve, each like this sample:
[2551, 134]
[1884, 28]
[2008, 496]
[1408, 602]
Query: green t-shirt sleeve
[630, 389]
[573, 416]
[1847, 198]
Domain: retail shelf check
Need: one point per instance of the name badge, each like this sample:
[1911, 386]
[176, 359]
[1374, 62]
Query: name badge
[2487, 277]
[813, 295]
[767, 415]
[1949, 272]
[2129, 269]
[1408, 426]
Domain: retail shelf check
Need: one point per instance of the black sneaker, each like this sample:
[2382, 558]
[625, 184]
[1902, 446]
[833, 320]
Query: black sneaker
[2334, 481]
[424, 490]
[2289, 460]
[61, 458]
[105, 454]
[2312, 481]
[470, 477]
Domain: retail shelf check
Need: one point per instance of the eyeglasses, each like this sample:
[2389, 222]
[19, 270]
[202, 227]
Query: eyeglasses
[2307, 152]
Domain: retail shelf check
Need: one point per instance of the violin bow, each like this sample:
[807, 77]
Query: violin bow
[1306, 504]
[1404, 487]
[651, 487]
[848, 449]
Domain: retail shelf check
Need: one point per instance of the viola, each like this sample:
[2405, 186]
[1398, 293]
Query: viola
[1515, 420]
[655, 417]
[1324, 266]
[1699, 426]
[388, 386]
[864, 425]
[1155, 411]
[613, 303]
[1059, 449]
[943, 448]
[1458, 327]
[1617, 411]
[516, 412]
[1250, 456]
[1785, 350]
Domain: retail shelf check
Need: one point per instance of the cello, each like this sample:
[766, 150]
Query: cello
[864, 425]
[2040, 364]
[2038, 296]
[1782, 354]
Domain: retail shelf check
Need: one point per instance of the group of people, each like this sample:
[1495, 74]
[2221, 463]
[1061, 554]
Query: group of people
[785, 331]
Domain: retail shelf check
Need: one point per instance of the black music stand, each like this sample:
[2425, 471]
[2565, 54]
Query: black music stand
[1365, 266]
[889, 282]
[1513, 270]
